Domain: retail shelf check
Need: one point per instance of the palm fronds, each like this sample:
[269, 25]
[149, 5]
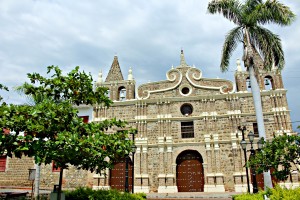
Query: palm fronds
[233, 38]
[229, 8]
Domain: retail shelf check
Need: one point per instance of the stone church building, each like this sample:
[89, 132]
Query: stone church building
[188, 136]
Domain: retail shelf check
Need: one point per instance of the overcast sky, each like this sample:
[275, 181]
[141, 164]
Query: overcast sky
[146, 35]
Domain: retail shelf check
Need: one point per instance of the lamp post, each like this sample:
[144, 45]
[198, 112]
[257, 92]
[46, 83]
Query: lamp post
[133, 150]
[254, 182]
[244, 145]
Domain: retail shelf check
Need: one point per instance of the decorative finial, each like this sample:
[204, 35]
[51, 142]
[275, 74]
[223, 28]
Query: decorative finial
[130, 76]
[238, 65]
[100, 80]
[172, 67]
[182, 59]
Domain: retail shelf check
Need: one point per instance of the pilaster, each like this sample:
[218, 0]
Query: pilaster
[166, 178]
[142, 176]
[240, 182]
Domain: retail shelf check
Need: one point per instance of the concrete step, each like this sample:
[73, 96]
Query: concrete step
[191, 195]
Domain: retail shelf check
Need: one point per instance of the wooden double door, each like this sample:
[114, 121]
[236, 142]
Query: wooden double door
[189, 172]
[117, 175]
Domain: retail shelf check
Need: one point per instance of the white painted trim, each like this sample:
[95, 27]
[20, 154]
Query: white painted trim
[167, 189]
[95, 187]
[241, 188]
[166, 89]
[140, 189]
[207, 87]
[214, 188]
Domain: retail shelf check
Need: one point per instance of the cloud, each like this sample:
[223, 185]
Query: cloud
[146, 35]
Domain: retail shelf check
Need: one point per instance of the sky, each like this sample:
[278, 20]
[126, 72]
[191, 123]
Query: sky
[146, 35]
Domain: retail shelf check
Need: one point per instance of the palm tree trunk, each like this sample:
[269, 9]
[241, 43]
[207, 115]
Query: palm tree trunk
[259, 117]
[256, 99]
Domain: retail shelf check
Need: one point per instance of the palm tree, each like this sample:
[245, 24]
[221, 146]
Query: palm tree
[259, 43]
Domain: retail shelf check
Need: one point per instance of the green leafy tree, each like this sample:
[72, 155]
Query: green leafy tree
[281, 154]
[50, 129]
[261, 46]
[2, 87]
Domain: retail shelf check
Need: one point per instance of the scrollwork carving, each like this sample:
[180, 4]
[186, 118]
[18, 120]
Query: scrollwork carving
[174, 78]
[195, 73]
[194, 76]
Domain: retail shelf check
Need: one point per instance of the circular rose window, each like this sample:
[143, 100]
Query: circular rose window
[185, 90]
[186, 109]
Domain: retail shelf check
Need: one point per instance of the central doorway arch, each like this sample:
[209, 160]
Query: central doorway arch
[117, 175]
[189, 172]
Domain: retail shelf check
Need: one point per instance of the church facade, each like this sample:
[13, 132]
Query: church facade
[188, 130]
[188, 126]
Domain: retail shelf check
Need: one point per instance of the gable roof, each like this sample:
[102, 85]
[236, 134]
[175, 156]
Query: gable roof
[115, 73]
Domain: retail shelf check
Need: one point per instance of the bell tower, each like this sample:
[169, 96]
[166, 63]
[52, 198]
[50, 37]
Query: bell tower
[267, 80]
[119, 89]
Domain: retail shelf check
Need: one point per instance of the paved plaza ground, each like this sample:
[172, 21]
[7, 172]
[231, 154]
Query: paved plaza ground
[191, 195]
[152, 196]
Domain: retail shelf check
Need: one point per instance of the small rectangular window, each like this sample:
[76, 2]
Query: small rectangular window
[187, 129]
[55, 168]
[85, 119]
[3, 163]
[255, 129]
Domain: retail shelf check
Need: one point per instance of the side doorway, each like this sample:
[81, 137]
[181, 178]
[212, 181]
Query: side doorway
[117, 175]
[260, 180]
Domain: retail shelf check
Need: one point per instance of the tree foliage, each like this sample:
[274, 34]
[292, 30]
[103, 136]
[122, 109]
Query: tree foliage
[249, 16]
[2, 87]
[50, 129]
[282, 154]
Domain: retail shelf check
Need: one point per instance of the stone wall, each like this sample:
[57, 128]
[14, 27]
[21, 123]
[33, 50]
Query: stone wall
[17, 172]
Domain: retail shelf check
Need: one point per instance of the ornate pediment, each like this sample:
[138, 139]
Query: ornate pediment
[184, 80]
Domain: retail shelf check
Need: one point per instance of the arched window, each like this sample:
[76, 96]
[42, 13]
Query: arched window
[248, 84]
[122, 93]
[108, 93]
[269, 84]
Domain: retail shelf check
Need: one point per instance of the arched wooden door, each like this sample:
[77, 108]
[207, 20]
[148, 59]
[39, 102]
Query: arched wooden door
[189, 172]
[117, 175]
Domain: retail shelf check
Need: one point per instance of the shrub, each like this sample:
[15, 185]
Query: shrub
[283, 193]
[277, 193]
[247, 196]
[85, 193]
